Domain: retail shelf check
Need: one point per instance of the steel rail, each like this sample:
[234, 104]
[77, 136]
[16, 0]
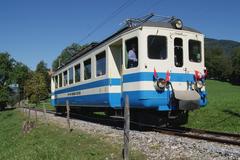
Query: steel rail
[211, 136]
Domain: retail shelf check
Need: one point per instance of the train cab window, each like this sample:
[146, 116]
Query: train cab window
[131, 60]
[60, 80]
[194, 48]
[70, 71]
[65, 78]
[178, 52]
[77, 73]
[101, 64]
[87, 69]
[56, 81]
[157, 47]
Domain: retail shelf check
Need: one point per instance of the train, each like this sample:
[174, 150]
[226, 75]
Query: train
[158, 64]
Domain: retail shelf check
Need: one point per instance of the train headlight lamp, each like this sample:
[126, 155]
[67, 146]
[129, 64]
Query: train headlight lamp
[177, 23]
[193, 86]
[161, 84]
[199, 84]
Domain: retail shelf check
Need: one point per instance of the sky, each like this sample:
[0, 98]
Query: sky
[35, 30]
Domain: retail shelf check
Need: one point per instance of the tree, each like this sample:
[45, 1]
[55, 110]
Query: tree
[235, 78]
[66, 54]
[42, 68]
[218, 65]
[19, 75]
[6, 65]
[36, 88]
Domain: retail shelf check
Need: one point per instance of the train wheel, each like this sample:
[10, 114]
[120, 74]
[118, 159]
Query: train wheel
[60, 110]
[181, 119]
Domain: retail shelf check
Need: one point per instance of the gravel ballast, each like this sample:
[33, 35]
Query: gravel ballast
[154, 145]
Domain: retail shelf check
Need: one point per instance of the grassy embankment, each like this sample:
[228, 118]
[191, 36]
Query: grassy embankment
[222, 112]
[51, 142]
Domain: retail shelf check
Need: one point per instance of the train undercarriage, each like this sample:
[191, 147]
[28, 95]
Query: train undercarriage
[140, 117]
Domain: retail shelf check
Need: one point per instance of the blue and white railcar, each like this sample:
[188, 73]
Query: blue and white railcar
[167, 75]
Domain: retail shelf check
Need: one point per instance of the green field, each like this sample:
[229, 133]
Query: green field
[51, 142]
[222, 112]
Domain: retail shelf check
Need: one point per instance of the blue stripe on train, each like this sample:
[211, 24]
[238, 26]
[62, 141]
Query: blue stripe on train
[100, 83]
[143, 99]
[135, 77]
[137, 99]
[99, 100]
[148, 76]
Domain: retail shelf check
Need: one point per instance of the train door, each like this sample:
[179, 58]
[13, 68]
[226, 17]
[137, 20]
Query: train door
[116, 50]
[116, 72]
[179, 52]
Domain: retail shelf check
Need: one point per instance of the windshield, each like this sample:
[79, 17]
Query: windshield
[194, 51]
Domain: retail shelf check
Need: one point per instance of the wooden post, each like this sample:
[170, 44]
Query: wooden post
[29, 112]
[45, 113]
[25, 108]
[35, 108]
[126, 128]
[68, 115]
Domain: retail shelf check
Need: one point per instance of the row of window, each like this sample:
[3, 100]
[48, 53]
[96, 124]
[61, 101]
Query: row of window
[73, 74]
[157, 48]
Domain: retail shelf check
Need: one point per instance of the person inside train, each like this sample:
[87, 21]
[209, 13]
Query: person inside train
[132, 57]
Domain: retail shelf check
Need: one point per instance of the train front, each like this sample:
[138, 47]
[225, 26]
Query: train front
[174, 74]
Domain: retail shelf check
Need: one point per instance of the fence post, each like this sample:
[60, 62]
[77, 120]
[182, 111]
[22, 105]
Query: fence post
[35, 108]
[45, 113]
[68, 116]
[29, 112]
[126, 128]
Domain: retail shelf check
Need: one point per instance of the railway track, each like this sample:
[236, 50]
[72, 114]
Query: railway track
[220, 137]
[211, 136]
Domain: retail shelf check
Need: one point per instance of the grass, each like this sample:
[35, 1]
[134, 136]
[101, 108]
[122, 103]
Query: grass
[222, 112]
[41, 105]
[51, 142]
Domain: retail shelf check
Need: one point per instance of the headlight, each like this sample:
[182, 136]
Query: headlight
[199, 84]
[177, 24]
[193, 85]
[160, 84]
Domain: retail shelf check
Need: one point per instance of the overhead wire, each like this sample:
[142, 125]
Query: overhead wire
[106, 20]
[149, 8]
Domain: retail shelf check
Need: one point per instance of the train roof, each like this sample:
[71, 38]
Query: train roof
[121, 31]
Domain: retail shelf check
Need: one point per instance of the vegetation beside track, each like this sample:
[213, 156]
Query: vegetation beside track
[51, 142]
[42, 104]
[222, 112]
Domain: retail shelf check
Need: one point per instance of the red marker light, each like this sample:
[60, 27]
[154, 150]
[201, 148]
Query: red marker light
[205, 73]
[168, 76]
[155, 74]
[198, 75]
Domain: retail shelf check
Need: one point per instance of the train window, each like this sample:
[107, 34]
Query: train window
[65, 78]
[157, 47]
[77, 73]
[178, 52]
[56, 81]
[194, 48]
[101, 64]
[70, 71]
[87, 69]
[131, 55]
[60, 80]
